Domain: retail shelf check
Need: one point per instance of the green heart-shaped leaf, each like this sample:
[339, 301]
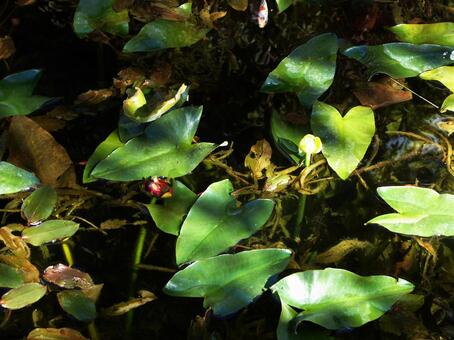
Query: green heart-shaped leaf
[16, 94]
[39, 205]
[169, 216]
[448, 104]
[49, 231]
[77, 304]
[10, 277]
[308, 71]
[165, 149]
[214, 223]
[421, 211]
[23, 296]
[229, 282]
[337, 298]
[444, 75]
[345, 139]
[441, 33]
[99, 15]
[401, 60]
[14, 179]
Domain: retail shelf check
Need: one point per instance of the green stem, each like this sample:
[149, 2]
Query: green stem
[301, 206]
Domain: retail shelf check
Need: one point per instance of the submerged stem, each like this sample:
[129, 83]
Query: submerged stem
[301, 205]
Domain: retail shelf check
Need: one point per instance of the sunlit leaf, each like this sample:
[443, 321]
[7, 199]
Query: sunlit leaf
[49, 231]
[99, 15]
[169, 216]
[354, 302]
[75, 303]
[67, 277]
[16, 94]
[441, 33]
[10, 277]
[215, 223]
[401, 60]
[229, 282]
[55, 334]
[448, 104]
[444, 75]
[23, 296]
[420, 211]
[14, 179]
[39, 205]
[308, 71]
[344, 139]
[165, 149]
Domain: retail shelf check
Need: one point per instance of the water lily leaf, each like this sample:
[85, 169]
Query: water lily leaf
[358, 300]
[67, 277]
[169, 216]
[16, 94]
[10, 277]
[344, 139]
[109, 145]
[228, 282]
[214, 223]
[308, 71]
[441, 33]
[49, 231]
[444, 75]
[55, 334]
[99, 15]
[39, 205]
[448, 104]
[23, 296]
[14, 179]
[75, 303]
[420, 211]
[165, 149]
[401, 60]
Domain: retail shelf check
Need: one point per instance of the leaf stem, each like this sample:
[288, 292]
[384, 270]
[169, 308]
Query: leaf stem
[301, 206]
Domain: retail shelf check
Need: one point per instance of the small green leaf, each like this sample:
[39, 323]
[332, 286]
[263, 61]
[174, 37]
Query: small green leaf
[344, 139]
[308, 71]
[169, 216]
[448, 104]
[229, 282]
[110, 144]
[99, 15]
[10, 277]
[441, 33]
[214, 223]
[401, 60]
[14, 179]
[444, 75]
[16, 94]
[337, 298]
[23, 296]
[39, 205]
[165, 149]
[421, 211]
[49, 231]
[77, 304]
[282, 5]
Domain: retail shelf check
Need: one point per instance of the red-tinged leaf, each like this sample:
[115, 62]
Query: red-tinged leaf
[67, 277]
[381, 94]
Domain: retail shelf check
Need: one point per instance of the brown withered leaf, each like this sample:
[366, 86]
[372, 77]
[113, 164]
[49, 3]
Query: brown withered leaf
[55, 334]
[381, 94]
[94, 97]
[258, 158]
[124, 307]
[33, 148]
[30, 272]
[113, 224]
[238, 5]
[25, 2]
[7, 47]
[208, 18]
[160, 74]
[340, 250]
[48, 123]
[14, 243]
[67, 277]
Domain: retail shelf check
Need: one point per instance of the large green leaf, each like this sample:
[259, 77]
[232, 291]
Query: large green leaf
[448, 104]
[39, 205]
[420, 211]
[99, 15]
[165, 149]
[337, 298]
[49, 231]
[444, 75]
[14, 179]
[401, 60]
[10, 277]
[441, 33]
[23, 295]
[229, 282]
[169, 216]
[345, 139]
[308, 71]
[215, 223]
[16, 94]
[111, 143]
[77, 304]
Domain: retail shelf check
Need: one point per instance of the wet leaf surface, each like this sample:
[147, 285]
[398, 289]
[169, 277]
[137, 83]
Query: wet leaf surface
[14, 179]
